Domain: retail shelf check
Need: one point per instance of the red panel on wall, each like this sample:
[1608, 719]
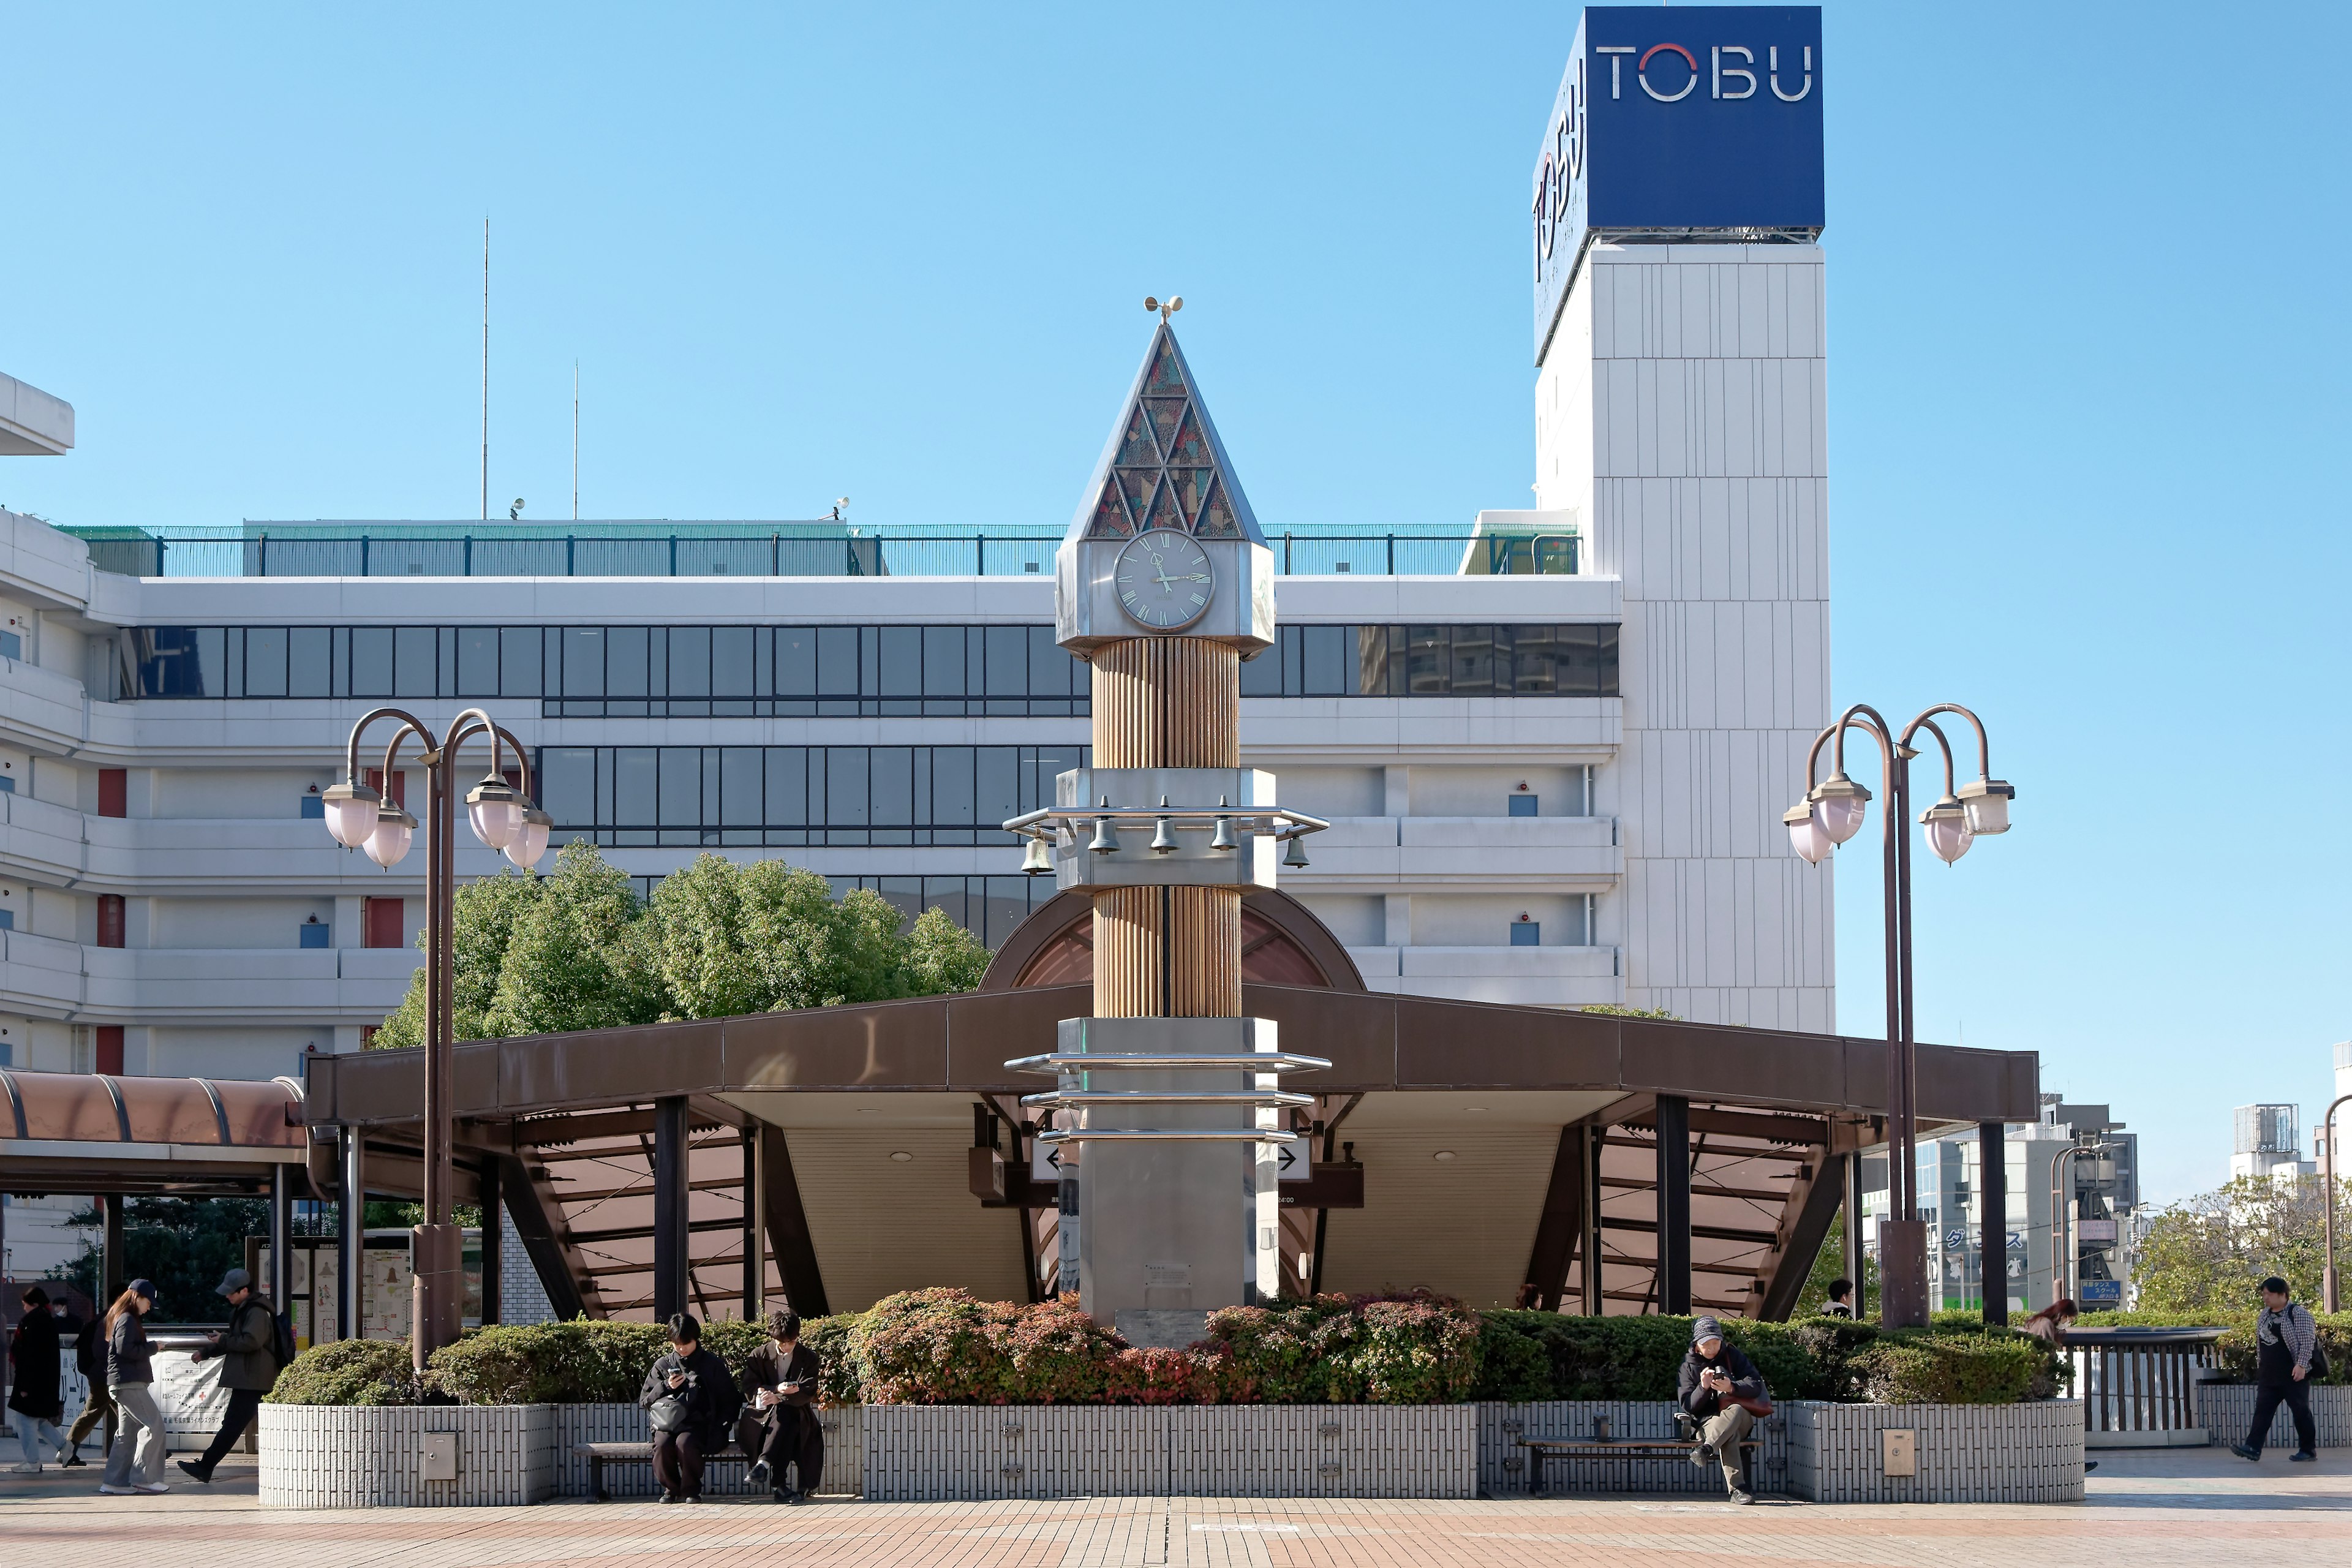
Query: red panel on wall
[110, 920]
[109, 1048]
[113, 791]
[384, 918]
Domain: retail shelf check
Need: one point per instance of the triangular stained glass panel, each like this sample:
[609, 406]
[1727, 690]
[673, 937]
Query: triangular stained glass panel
[1135, 449]
[1188, 449]
[1217, 520]
[1163, 510]
[1135, 484]
[1110, 519]
[1166, 380]
[1192, 486]
[1167, 415]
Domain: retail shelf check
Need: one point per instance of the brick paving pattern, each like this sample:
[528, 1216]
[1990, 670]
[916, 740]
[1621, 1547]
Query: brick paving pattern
[2190, 1509]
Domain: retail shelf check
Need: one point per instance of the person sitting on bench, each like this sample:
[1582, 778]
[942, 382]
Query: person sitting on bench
[690, 1402]
[1716, 1386]
[779, 1425]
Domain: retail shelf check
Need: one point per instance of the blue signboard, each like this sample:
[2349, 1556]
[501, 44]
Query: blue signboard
[1674, 119]
[2100, 1291]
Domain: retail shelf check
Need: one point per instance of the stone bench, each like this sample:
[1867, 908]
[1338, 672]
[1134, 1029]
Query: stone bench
[1542, 1450]
[599, 1455]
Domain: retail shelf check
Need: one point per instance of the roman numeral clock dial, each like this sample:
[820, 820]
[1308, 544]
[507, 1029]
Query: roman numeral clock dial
[1164, 580]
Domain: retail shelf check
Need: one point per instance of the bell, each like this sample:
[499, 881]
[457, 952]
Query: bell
[1296, 858]
[1224, 837]
[1163, 838]
[1039, 860]
[1106, 834]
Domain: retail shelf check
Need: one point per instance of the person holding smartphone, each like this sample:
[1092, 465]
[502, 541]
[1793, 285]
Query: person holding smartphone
[779, 1425]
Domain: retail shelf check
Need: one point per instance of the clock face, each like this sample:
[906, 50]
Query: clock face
[1164, 580]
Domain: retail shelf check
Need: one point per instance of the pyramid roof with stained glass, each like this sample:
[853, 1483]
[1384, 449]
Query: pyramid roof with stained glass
[1164, 466]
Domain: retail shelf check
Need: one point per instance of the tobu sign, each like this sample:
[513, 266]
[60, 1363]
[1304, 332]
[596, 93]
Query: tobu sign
[1672, 120]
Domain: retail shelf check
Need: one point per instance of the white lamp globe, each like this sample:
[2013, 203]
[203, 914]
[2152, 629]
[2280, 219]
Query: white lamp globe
[351, 813]
[1946, 824]
[394, 829]
[1986, 802]
[1842, 806]
[496, 809]
[1806, 834]
[531, 842]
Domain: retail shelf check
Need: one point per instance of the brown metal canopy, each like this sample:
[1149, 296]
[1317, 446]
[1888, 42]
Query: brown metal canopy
[103, 1134]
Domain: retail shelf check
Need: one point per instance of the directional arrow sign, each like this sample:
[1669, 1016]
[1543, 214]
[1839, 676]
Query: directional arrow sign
[1046, 1160]
[1293, 1159]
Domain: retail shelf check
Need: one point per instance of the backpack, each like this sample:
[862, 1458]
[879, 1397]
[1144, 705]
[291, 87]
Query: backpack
[2319, 1347]
[282, 1338]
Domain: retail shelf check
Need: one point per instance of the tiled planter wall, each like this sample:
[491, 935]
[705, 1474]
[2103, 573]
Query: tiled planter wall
[1967, 1452]
[920, 1452]
[2228, 1409]
[370, 1456]
[844, 1452]
[1503, 1464]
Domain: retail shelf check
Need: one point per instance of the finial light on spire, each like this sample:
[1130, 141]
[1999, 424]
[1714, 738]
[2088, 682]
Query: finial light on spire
[1174, 303]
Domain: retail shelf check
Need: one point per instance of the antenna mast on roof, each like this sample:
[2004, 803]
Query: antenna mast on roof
[485, 370]
[575, 440]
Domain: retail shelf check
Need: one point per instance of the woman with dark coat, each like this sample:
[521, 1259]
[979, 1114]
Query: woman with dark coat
[37, 1404]
[690, 1400]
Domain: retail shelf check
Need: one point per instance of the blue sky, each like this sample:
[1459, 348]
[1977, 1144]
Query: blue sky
[2088, 333]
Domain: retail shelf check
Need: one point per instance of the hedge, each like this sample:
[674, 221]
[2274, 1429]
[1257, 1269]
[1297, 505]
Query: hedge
[946, 1346]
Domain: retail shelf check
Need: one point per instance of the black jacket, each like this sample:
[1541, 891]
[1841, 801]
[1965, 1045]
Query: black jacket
[1746, 1381]
[89, 1351]
[767, 1368]
[710, 1391]
[126, 1358]
[37, 1392]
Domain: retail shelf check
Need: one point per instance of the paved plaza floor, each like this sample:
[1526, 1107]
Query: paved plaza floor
[2196, 1508]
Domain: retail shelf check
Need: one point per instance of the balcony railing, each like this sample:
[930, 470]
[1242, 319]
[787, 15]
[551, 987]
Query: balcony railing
[785, 550]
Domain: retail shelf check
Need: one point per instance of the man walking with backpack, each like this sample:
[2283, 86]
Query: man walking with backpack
[249, 1350]
[2287, 1348]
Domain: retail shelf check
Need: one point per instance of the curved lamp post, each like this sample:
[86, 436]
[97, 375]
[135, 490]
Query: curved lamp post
[2062, 1259]
[1833, 812]
[504, 819]
[2327, 1295]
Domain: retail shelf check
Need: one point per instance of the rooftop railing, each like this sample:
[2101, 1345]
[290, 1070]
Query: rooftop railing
[705, 550]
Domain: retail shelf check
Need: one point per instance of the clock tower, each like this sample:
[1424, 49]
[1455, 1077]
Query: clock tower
[1169, 1108]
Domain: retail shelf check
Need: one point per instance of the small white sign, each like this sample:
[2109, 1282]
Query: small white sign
[1048, 1160]
[2095, 1230]
[1294, 1159]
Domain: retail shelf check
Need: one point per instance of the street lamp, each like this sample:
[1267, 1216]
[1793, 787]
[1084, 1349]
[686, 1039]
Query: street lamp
[504, 818]
[2327, 1191]
[2063, 1261]
[1832, 813]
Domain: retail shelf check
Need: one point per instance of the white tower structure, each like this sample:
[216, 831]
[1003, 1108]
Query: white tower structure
[1681, 424]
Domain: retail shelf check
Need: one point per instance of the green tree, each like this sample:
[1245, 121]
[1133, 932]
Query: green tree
[183, 1244]
[577, 950]
[1829, 1264]
[2208, 1254]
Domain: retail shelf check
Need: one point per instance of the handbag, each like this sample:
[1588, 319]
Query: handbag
[669, 1412]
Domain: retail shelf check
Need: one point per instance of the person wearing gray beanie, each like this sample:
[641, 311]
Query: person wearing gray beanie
[1721, 1390]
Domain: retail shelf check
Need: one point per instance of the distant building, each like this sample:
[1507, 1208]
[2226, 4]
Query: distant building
[2267, 1141]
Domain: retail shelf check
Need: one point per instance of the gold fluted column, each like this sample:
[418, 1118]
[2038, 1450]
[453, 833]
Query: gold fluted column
[1168, 702]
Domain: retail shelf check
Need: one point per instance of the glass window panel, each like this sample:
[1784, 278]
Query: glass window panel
[1049, 665]
[904, 894]
[1604, 661]
[681, 786]
[946, 895]
[1372, 660]
[836, 661]
[730, 661]
[951, 797]
[1473, 661]
[1008, 661]
[787, 786]
[413, 673]
[307, 658]
[741, 793]
[891, 784]
[1427, 656]
[518, 673]
[996, 784]
[371, 660]
[567, 785]
[1008, 906]
[846, 803]
[943, 661]
[583, 661]
[478, 662]
[1328, 666]
[902, 661]
[689, 661]
[636, 779]
[796, 661]
[446, 666]
[1291, 645]
[624, 661]
[1262, 676]
[1535, 654]
[264, 661]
